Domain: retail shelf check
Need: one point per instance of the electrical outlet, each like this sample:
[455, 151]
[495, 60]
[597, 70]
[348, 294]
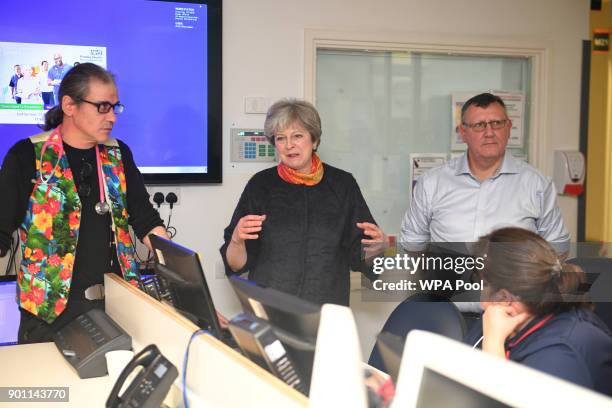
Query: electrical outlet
[164, 190]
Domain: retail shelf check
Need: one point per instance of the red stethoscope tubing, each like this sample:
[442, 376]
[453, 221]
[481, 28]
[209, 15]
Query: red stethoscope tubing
[527, 333]
[100, 176]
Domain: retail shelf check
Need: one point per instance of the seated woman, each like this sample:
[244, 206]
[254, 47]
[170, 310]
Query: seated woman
[299, 226]
[534, 313]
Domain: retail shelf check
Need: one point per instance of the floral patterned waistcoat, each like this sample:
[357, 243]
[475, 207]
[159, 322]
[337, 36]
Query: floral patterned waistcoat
[50, 231]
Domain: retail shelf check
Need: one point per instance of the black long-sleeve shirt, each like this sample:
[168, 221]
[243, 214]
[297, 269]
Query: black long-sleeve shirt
[309, 241]
[94, 255]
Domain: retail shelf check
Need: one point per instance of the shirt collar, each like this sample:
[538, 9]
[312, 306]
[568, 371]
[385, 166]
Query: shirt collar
[509, 165]
[529, 328]
[462, 165]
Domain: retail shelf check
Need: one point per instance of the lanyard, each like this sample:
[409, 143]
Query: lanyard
[527, 333]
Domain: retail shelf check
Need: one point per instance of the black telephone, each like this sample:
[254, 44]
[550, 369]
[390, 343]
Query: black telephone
[84, 341]
[259, 342]
[157, 287]
[150, 386]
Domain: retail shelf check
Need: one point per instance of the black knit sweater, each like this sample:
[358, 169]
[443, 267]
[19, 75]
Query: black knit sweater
[309, 241]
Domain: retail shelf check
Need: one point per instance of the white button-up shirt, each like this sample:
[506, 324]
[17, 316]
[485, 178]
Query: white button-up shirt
[449, 204]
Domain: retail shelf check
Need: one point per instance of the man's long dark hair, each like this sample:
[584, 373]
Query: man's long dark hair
[76, 85]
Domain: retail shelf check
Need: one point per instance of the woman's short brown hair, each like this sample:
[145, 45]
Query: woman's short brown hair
[524, 264]
[286, 112]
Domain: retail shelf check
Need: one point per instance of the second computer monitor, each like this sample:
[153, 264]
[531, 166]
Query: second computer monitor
[182, 269]
[295, 321]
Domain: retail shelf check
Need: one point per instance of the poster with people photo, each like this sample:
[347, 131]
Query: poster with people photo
[31, 74]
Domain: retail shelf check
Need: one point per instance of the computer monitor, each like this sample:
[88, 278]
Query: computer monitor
[390, 347]
[182, 270]
[437, 371]
[294, 321]
[9, 311]
[167, 57]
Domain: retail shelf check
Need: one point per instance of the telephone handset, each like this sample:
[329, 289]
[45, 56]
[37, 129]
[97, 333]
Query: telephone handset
[150, 386]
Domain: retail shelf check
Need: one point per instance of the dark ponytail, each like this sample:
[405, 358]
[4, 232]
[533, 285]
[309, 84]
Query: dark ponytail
[524, 264]
[571, 286]
[75, 84]
[53, 118]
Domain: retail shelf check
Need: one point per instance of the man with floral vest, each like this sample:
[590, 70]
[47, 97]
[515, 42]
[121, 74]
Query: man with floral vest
[66, 191]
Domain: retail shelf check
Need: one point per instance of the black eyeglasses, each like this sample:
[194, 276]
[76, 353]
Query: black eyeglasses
[105, 107]
[84, 187]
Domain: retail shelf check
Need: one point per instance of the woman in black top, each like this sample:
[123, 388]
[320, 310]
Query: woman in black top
[299, 226]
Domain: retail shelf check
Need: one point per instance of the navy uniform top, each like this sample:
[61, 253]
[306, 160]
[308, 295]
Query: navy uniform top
[575, 346]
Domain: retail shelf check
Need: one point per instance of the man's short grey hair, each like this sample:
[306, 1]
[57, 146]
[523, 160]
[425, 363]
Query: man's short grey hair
[287, 112]
[483, 101]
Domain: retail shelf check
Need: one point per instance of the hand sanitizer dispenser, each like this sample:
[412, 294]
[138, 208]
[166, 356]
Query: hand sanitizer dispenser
[569, 172]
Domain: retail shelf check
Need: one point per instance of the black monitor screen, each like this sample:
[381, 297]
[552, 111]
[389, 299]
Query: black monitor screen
[166, 56]
[294, 321]
[181, 268]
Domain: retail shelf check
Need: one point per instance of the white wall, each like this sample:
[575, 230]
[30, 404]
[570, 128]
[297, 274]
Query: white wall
[263, 54]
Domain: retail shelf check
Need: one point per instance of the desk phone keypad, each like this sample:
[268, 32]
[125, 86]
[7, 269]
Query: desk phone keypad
[85, 341]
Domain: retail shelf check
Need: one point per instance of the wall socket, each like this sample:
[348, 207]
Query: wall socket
[164, 190]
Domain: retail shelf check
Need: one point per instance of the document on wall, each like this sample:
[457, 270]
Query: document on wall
[457, 101]
[515, 107]
[421, 162]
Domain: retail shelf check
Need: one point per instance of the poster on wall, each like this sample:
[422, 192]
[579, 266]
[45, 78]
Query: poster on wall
[515, 107]
[422, 162]
[35, 72]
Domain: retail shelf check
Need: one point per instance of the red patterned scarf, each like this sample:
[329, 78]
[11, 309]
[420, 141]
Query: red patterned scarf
[309, 179]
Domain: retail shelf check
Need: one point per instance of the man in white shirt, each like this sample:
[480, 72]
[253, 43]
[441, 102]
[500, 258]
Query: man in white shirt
[484, 189]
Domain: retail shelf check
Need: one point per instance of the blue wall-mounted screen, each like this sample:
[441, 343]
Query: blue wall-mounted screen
[166, 57]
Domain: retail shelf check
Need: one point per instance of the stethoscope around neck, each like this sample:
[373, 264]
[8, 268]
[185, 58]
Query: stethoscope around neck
[102, 206]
